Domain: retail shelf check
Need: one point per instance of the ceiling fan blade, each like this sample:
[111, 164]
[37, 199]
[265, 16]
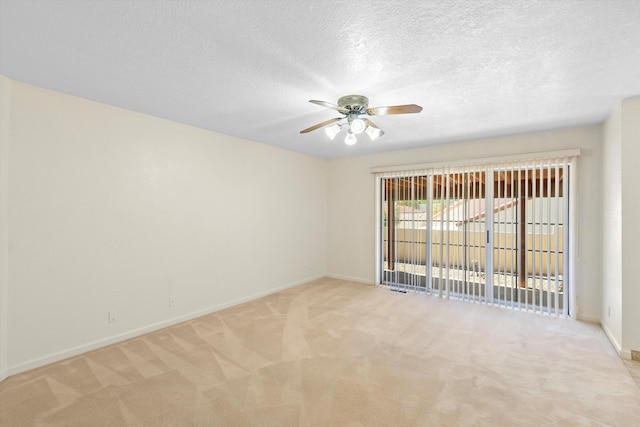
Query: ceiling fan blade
[394, 109]
[319, 125]
[329, 105]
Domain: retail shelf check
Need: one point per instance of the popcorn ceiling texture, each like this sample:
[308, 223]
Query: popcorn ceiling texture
[247, 68]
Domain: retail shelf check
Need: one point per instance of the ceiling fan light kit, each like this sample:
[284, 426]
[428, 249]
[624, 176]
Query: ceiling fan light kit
[350, 139]
[352, 107]
[357, 126]
[374, 133]
[332, 131]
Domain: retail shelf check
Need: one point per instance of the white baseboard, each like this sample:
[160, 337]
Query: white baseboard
[625, 354]
[587, 318]
[350, 279]
[94, 345]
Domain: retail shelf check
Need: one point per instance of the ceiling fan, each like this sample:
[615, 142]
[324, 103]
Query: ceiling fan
[352, 107]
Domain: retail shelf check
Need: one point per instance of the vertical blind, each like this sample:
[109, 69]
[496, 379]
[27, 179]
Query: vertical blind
[493, 233]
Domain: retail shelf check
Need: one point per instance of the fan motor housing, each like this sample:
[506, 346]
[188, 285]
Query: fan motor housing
[354, 103]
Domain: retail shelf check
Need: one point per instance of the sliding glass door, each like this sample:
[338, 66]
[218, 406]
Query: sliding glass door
[458, 234]
[405, 218]
[491, 233]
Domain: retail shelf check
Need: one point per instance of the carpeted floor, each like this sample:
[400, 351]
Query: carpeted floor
[336, 353]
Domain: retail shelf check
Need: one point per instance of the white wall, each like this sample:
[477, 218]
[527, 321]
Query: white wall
[621, 229]
[115, 210]
[630, 123]
[5, 100]
[351, 219]
[611, 318]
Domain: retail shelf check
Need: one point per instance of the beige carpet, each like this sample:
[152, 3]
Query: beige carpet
[335, 353]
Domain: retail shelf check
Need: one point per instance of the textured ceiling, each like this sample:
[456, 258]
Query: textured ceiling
[247, 68]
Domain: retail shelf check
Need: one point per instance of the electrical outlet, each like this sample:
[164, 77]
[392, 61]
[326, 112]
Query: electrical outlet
[113, 316]
[172, 301]
[609, 311]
